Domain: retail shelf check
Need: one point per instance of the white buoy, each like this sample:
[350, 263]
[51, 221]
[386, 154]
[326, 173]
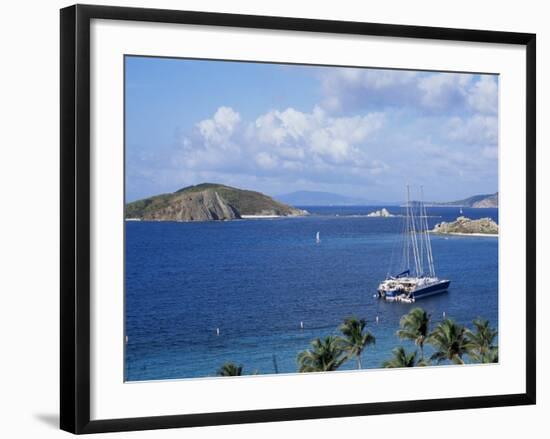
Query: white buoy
[217, 331]
[301, 325]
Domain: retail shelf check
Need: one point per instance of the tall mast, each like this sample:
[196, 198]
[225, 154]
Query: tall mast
[414, 241]
[424, 219]
[422, 229]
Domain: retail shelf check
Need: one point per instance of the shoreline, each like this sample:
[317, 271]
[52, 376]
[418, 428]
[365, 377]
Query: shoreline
[272, 216]
[264, 216]
[243, 217]
[483, 235]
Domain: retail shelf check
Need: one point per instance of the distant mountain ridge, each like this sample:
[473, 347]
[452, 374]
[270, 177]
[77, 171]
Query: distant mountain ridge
[317, 198]
[207, 202]
[476, 201]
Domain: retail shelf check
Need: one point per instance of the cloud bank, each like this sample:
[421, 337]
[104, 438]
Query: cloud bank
[371, 130]
[287, 144]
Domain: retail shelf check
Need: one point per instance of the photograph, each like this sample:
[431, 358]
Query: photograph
[271, 220]
[285, 218]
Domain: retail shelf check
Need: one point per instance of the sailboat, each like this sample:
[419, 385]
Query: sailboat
[318, 237]
[417, 278]
[461, 212]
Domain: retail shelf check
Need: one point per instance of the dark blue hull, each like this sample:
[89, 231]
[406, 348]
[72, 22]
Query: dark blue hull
[430, 290]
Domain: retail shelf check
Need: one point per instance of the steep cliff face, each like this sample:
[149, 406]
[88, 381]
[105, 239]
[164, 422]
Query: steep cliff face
[207, 202]
[205, 205]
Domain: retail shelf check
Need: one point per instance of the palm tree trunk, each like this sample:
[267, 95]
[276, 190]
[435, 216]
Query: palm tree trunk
[358, 361]
[457, 360]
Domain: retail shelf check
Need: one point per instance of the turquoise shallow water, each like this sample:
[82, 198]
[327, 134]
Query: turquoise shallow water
[256, 280]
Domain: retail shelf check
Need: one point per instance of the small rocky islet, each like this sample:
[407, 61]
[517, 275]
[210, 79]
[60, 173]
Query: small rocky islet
[382, 213]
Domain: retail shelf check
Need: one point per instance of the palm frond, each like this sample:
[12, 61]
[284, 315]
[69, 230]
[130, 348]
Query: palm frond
[356, 338]
[414, 326]
[480, 346]
[324, 355]
[401, 359]
[449, 341]
[230, 369]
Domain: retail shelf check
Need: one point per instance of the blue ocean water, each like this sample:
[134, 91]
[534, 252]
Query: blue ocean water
[256, 280]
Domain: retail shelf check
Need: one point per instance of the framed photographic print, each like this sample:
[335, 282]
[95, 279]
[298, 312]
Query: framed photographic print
[260, 214]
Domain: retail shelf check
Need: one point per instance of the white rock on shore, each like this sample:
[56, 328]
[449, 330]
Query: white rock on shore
[382, 213]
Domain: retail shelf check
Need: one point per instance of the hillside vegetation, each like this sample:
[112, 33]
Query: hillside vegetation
[206, 202]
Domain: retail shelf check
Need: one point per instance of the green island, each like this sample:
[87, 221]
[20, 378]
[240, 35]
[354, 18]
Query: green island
[208, 202]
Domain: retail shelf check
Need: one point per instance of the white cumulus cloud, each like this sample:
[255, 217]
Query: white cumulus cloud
[294, 135]
[289, 143]
[347, 89]
[476, 130]
[483, 96]
[220, 127]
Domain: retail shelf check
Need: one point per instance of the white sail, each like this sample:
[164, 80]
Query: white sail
[318, 238]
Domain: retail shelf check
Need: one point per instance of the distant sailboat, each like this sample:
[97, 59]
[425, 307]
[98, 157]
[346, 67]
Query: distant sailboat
[318, 238]
[461, 211]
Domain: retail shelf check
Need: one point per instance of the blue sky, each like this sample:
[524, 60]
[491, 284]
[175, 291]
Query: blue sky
[280, 128]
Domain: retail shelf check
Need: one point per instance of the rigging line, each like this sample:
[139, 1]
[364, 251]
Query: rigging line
[413, 236]
[406, 239]
[428, 244]
[430, 255]
[427, 235]
[421, 229]
[394, 247]
[404, 249]
[424, 227]
[423, 244]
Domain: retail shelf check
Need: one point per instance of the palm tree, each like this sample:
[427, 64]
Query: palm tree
[230, 370]
[415, 326]
[449, 341]
[325, 355]
[401, 358]
[481, 346]
[356, 339]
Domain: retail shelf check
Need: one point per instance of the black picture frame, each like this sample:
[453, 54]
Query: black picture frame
[75, 217]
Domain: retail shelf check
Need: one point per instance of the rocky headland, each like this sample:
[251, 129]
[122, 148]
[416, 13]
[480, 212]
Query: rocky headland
[467, 226]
